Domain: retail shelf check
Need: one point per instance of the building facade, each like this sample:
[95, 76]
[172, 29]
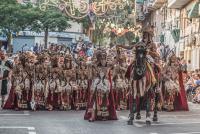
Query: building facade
[177, 24]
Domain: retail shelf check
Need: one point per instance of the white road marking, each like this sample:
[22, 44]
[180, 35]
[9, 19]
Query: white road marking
[30, 129]
[175, 123]
[187, 133]
[17, 127]
[31, 132]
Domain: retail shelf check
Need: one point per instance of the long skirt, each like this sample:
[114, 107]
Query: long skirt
[80, 99]
[180, 102]
[102, 104]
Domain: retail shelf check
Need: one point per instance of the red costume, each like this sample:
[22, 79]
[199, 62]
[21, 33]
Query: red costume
[181, 100]
[101, 104]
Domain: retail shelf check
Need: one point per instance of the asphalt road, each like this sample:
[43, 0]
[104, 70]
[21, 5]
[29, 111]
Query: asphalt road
[72, 122]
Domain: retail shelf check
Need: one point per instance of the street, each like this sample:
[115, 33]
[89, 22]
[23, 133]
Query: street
[72, 122]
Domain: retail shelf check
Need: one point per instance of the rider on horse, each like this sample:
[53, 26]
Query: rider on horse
[143, 72]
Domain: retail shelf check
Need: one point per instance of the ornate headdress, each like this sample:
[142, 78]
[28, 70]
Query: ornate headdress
[148, 29]
[110, 58]
[172, 58]
[68, 57]
[101, 54]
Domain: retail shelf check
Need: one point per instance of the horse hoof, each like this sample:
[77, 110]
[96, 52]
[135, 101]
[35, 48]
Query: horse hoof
[138, 117]
[148, 123]
[130, 122]
[155, 118]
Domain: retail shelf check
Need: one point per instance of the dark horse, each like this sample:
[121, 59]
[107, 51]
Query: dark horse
[142, 76]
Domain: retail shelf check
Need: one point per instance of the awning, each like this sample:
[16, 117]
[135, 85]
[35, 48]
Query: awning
[194, 12]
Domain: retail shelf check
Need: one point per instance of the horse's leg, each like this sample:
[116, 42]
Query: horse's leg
[155, 116]
[140, 96]
[148, 103]
[133, 108]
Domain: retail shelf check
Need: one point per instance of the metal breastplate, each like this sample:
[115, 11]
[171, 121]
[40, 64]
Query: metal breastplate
[52, 85]
[74, 85]
[83, 84]
[39, 86]
[67, 87]
[27, 83]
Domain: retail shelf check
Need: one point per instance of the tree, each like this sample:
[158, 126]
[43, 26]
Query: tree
[98, 33]
[50, 20]
[130, 36]
[14, 18]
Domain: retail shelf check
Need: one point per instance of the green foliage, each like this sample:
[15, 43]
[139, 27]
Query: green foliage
[121, 40]
[16, 17]
[51, 19]
[98, 34]
[85, 22]
[10, 16]
[130, 36]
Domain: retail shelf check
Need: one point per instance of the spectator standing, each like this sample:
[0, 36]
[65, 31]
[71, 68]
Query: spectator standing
[189, 66]
[36, 47]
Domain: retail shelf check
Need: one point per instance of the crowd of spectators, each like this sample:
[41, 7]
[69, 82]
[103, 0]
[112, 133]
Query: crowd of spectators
[79, 48]
[192, 84]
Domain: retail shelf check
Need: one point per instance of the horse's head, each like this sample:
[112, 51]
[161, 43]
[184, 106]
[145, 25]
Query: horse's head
[141, 52]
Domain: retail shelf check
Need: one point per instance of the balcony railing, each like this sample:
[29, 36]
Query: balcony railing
[177, 4]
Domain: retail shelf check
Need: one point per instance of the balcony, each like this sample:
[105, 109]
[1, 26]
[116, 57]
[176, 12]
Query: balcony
[158, 3]
[177, 4]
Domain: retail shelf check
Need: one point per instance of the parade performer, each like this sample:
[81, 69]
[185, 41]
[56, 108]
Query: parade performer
[53, 83]
[181, 100]
[13, 101]
[120, 82]
[142, 73]
[5, 76]
[40, 87]
[66, 84]
[82, 81]
[174, 93]
[100, 100]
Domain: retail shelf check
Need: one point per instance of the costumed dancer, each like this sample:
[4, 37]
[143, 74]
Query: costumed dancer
[81, 92]
[5, 74]
[120, 82]
[13, 101]
[40, 85]
[101, 104]
[53, 83]
[174, 97]
[66, 84]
